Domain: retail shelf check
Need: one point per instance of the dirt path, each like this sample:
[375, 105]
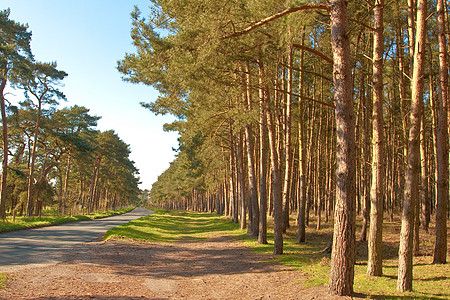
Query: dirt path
[214, 269]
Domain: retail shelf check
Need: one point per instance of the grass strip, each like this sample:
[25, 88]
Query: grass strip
[34, 222]
[172, 226]
[430, 281]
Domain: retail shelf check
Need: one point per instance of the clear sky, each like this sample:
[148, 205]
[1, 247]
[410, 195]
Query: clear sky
[86, 38]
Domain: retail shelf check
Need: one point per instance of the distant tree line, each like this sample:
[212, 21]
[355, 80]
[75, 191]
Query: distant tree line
[312, 107]
[51, 156]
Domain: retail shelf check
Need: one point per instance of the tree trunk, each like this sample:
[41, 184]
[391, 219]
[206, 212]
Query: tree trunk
[343, 253]
[241, 180]
[254, 221]
[301, 236]
[440, 250]
[365, 148]
[5, 149]
[33, 160]
[287, 144]
[262, 237]
[93, 187]
[276, 186]
[374, 263]
[66, 185]
[404, 281]
[426, 200]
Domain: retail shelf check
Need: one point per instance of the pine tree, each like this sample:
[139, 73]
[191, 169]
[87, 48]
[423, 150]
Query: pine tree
[14, 51]
[343, 252]
[405, 267]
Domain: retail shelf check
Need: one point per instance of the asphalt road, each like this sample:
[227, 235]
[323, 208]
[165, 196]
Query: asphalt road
[48, 244]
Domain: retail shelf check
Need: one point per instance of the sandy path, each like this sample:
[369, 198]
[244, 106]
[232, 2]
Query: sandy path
[218, 268]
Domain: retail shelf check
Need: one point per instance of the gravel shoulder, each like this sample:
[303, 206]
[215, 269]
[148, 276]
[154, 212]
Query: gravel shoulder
[218, 268]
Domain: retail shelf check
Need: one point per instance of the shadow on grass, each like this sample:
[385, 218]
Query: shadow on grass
[308, 257]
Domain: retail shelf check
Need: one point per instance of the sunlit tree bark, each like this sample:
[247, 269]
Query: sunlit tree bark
[374, 263]
[440, 251]
[343, 251]
[410, 200]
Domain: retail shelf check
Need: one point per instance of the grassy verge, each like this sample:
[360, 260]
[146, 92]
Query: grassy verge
[172, 226]
[33, 222]
[430, 281]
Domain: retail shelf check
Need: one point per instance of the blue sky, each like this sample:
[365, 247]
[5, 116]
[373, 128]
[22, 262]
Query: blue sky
[86, 38]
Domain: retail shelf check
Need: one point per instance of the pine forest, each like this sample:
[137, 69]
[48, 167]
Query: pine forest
[52, 154]
[321, 109]
[289, 113]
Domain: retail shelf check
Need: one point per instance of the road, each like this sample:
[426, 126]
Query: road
[48, 244]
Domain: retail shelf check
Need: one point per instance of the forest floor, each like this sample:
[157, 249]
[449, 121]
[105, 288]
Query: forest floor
[187, 255]
[216, 268]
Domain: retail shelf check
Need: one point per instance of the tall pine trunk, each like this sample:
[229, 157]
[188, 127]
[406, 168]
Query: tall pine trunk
[343, 251]
[30, 204]
[287, 144]
[440, 250]
[410, 199]
[241, 181]
[5, 148]
[301, 236]
[374, 263]
[262, 235]
[276, 186]
[66, 185]
[253, 205]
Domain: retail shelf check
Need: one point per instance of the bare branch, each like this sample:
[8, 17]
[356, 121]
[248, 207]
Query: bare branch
[320, 54]
[305, 98]
[276, 16]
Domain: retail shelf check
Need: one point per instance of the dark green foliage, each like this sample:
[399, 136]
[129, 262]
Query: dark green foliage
[56, 155]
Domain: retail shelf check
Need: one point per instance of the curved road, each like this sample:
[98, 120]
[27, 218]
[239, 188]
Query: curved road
[48, 244]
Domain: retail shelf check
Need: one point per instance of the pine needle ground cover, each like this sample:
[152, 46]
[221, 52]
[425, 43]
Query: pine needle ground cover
[430, 281]
[51, 218]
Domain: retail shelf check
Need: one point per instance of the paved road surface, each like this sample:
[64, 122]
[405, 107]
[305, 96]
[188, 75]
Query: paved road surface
[48, 244]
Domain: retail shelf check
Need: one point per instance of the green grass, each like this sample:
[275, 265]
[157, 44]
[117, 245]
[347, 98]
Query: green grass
[307, 257]
[430, 281]
[172, 226]
[47, 220]
[3, 279]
